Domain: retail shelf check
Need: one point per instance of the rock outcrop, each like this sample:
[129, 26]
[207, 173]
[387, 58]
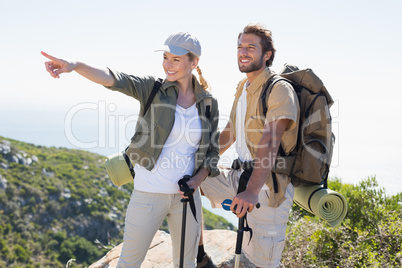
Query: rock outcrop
[10, 155]
[13, 156]
[219, 244]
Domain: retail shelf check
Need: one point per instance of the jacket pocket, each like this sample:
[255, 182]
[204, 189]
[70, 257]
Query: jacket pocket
[143, 135]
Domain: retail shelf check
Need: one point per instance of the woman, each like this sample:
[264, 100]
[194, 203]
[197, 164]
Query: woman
[174, 138]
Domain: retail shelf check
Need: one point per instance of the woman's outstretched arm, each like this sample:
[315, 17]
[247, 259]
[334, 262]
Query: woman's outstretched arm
[56, 66]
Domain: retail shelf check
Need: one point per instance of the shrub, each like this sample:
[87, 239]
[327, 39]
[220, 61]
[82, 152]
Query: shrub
[21, 253]
[370, 235]
[79, 248]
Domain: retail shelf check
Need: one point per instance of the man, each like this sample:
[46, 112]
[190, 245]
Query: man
[257, 138]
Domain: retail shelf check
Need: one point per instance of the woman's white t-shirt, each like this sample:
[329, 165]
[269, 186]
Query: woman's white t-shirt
[177, 157]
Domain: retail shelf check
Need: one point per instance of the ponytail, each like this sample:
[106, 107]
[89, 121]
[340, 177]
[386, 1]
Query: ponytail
[203, 82]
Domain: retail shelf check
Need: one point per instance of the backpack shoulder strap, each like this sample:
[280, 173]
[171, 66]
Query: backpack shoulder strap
[267, 90]
[157, 85]
[208, 107]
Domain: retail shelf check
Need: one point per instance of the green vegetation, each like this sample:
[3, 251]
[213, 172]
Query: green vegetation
[369, 236]
[53, 209]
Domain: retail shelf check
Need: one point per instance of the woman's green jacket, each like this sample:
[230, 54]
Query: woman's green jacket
[153, 129]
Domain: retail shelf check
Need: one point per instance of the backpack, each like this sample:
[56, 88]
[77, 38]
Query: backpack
[308, 163]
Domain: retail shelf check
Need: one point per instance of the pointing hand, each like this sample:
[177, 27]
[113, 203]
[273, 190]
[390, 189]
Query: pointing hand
[57, 66]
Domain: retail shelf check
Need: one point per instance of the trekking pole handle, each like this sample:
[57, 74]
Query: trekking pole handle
[184, 187]
[227, 202]
[257, 206]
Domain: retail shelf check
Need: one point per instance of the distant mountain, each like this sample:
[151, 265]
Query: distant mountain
[56, 202]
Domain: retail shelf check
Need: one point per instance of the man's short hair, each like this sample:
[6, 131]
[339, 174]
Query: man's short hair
[266, 39]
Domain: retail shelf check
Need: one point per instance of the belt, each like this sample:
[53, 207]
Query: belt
[246, 165]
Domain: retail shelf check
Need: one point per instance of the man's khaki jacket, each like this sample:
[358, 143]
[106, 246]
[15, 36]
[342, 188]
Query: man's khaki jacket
[282, 103]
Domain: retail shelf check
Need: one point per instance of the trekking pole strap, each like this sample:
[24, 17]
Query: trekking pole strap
[189, 193]
[247, 167]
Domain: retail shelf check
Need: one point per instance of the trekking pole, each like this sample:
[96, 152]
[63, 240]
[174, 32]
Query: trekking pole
[240, 230]
[189, 193]
[183, 231]
[239, 241]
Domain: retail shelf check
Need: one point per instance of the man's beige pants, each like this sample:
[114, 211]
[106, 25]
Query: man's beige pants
[268, 224]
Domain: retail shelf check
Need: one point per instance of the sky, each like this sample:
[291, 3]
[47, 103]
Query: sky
[353, 46]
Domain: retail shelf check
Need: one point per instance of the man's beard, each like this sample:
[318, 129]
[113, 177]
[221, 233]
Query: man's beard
[255, 66]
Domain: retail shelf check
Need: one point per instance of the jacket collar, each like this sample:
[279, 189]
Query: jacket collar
[199, 92]
[260, 80]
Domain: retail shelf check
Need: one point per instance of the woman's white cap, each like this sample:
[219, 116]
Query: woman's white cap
[181, 43]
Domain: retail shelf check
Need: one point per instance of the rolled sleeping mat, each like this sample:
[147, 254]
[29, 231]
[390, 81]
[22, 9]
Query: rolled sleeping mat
[120, 169]
[324, 203]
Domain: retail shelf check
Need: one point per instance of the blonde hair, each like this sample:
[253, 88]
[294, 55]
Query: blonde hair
[204, 84]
